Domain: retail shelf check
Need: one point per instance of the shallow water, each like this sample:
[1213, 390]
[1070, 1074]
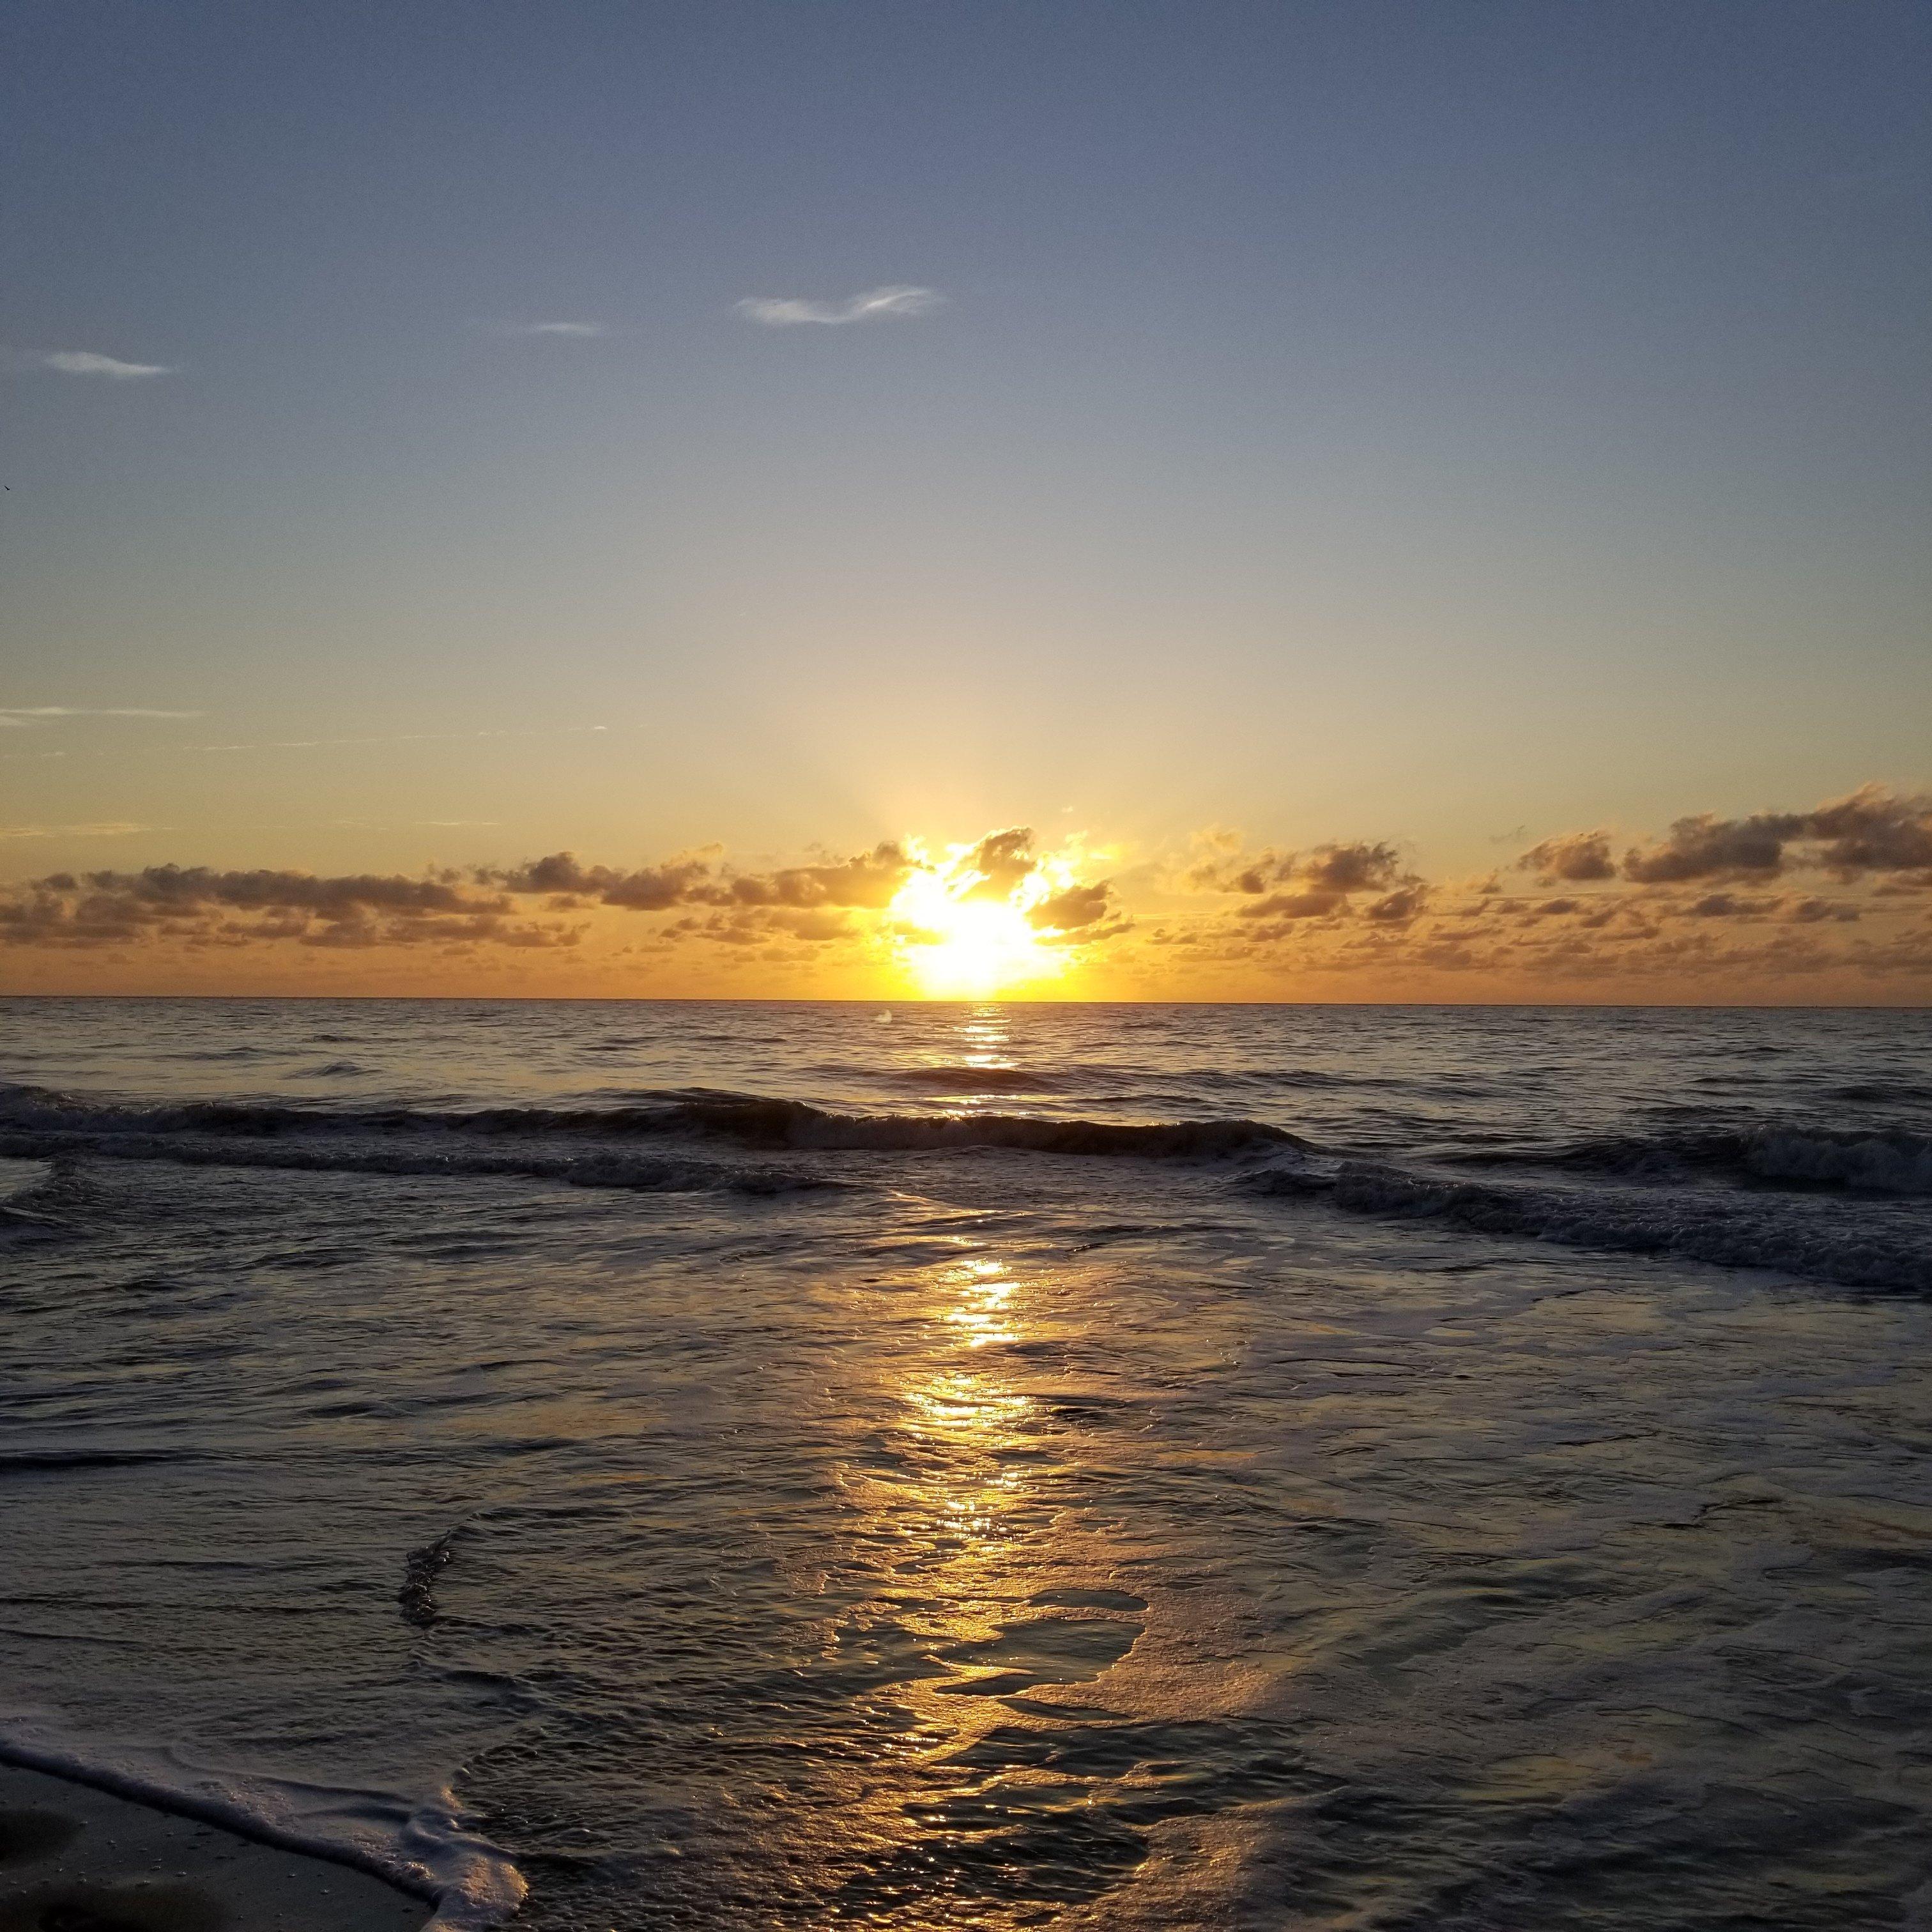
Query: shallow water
[1488, 1490]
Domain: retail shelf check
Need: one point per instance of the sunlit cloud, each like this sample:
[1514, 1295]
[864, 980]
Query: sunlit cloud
[1707, 910]
[81, 362]
[932, 916]
[874, 305]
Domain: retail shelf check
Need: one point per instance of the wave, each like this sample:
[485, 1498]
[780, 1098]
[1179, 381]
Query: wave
[324, 1155]
[36, 1123]
[1888, 1093]
[1738, 1232]
[973, 1079]
[37, 1461]
[427, 1850]
[1889, 1163]
[18, 1224]
[1865, 1160]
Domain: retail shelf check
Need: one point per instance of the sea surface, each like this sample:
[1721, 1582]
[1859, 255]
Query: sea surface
[737, 1465]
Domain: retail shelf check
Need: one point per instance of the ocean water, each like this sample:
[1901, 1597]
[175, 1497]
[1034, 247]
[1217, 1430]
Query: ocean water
[986, 1466]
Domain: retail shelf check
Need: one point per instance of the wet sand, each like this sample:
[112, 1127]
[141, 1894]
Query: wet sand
[73, 1859]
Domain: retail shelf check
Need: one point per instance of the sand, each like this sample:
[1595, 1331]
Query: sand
[73, 1859]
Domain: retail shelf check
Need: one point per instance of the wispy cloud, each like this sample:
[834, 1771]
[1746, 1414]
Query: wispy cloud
[401, 738]
[21, 715]
[79, 362]
[874, 305]
[113, 828]
[581, 331]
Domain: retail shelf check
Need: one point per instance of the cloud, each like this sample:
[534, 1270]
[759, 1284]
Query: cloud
[398, 738]
[874, 305]
[648, 889]
[112, 829]
[1356, 867]
[198, 906]
[834, 898]
[869, 880]
[577, 330]
[1872, 830]
[82, 362]
[1708, 847]
[1575, 856]
[1076, 909]
[21, 715]
[1001, 860]
[1401, 906]
[1312, 884]
[1685, 914]
[1348, 915]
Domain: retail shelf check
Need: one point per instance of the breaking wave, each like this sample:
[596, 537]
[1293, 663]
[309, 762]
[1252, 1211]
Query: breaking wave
[35, 1122]
[1738, 1231]
[1867, 1160]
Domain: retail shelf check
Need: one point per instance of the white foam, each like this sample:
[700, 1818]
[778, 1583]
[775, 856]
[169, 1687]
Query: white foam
[1889, 1163]
[426, 1849]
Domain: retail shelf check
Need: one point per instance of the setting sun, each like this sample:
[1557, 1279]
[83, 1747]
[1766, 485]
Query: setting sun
[959, 943]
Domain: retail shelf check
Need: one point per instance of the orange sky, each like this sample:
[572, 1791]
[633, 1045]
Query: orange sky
[1827, 903]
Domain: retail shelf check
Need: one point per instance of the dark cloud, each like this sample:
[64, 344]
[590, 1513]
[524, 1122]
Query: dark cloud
[1352, 869]
[1730, 905]
[1706, 903]
[650, 889]
[187, 888]
[202, 907]
[1873, 830]
[1400, 907]
[197, 904]
[869, 880]
[1576, 856]
[1292, 891]
[1690, 907]
[1327, 873]
[1002, 859]
[1810, 912]
[1314, 904]
[1078, 907]
[1708, 847]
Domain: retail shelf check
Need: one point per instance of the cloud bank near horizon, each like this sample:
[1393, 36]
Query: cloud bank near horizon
[1841, 893]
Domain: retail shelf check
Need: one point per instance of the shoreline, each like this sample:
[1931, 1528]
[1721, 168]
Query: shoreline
[119, 1864]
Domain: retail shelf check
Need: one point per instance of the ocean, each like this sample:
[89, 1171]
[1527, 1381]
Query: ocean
[749, 1466]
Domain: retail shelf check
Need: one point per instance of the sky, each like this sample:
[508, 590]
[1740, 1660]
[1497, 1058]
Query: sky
[1206, 438]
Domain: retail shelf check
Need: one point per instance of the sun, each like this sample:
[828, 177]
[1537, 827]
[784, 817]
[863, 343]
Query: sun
[959, 944]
